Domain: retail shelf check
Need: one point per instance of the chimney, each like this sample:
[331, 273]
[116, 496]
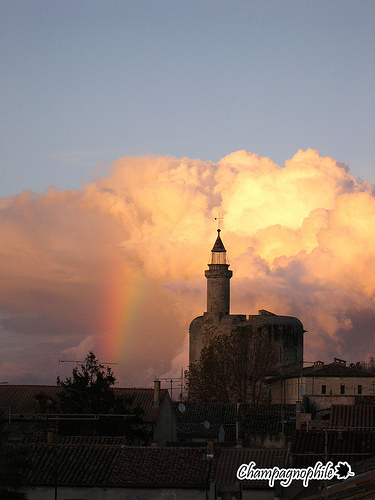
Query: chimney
[318, 365]
[156, 393]
[339, 361]
[210, 447]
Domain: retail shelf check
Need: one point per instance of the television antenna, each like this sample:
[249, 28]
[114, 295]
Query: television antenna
[81, 362]
[173, 380]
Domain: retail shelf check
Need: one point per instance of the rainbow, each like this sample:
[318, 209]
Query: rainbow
[121, 305]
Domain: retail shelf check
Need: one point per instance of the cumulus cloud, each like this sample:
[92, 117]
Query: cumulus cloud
[118, 266]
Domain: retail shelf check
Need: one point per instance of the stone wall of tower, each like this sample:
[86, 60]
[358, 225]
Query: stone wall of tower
[284, 332]
[218, 290]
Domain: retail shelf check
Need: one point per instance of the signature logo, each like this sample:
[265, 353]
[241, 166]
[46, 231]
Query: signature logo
[320, 472]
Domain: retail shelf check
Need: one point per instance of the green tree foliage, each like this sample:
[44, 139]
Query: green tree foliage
[13, 465]
[232, 368]
[89, 391]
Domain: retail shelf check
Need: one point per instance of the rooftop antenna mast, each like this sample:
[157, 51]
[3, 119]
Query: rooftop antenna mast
[172, 380]
[219, 218]
[81, 362]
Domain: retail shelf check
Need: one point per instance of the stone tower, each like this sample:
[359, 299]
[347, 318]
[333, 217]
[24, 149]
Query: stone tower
[218, 276]
[285, 332]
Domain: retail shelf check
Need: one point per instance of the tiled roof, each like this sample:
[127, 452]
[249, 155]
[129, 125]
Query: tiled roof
[144, 398]
[190, 422]
[215, 413]
[353, 417]
[365, 400]
[362, 486]
[267, 418]
[226, 463]
[79, 440]
[76, 464]
[151, 467]
[188, 430]
[252, 417]
[143, 467]
[91, 465]
[23, 399]
[309, 447]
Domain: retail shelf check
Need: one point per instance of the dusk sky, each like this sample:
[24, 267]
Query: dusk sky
[127, 127]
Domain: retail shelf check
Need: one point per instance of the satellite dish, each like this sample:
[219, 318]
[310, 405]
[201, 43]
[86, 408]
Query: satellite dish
[302, 390]
[206, 424]
[181, 408]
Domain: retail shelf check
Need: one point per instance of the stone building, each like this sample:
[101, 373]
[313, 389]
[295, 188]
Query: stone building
[285, 332]
[323, 384]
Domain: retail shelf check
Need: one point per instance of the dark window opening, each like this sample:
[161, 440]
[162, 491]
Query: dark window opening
[342, 389]
[359, 389]
[324, 389]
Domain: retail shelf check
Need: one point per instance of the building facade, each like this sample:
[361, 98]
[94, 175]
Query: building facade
[323, 384]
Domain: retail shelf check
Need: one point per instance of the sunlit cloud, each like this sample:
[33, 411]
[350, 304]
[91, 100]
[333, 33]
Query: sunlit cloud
[118, 266]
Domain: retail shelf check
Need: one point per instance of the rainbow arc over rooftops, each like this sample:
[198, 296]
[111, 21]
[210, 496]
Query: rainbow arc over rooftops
[122, 303]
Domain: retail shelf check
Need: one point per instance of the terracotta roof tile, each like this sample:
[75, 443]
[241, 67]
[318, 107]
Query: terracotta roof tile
[215, 413]
[226, 463]
[76, 464]
[190, 422]
[353, 417]
[118, 466]
[144, 467]
[184, 467]
[309, 447]
[365, 400]
[23, 399]
[267, 418]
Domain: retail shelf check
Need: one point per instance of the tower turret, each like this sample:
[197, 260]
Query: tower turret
[218, 276]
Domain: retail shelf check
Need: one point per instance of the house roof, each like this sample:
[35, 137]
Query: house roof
[167, 467]
[190, 422]
[267, 418]
[359, 486]
[353, 417]
[143, 467]
[364, 400]
[352, 446]
[227, 462]
[215, 413]
[198, 430]
[252, 418]
[23, 399]
[329, 370]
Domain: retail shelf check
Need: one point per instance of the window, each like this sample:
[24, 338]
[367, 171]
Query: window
[359, 390]
[324, 389]
[342, 389]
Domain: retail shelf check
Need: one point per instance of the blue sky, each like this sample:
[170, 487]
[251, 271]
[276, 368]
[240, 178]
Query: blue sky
[87, 82]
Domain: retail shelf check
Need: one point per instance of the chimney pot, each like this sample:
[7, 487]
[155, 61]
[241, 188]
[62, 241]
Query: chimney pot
[156, 392]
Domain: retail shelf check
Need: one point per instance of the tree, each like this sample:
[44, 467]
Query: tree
[368, 366]
[90, 391]
[232, 368]
[13, 463]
